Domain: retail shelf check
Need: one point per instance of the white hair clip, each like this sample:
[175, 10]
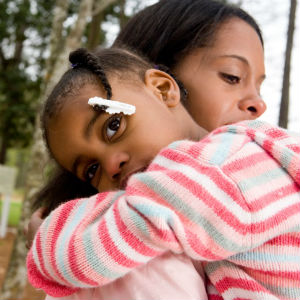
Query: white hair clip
[111, 106]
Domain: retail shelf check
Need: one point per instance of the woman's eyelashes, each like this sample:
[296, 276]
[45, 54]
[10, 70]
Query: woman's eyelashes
[229, 78]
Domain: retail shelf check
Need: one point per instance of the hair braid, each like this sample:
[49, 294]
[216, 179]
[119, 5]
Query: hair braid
[82, 58]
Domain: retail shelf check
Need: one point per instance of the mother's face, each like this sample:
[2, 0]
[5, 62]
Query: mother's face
[224, 80]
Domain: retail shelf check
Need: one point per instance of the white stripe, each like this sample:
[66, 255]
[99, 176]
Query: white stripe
[209, 185]
[120, 243]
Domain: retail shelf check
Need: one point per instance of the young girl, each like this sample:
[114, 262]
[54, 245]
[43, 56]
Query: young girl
[232, 199]
[215, 49]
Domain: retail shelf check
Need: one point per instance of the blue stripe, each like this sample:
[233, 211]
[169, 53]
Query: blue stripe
[265, 257]
[223, 149]
[286, 158]
[91, 253]
[186, 210]
[261, 179]
[62, 249]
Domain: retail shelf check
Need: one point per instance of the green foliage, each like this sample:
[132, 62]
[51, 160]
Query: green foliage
[24, 25]
[14, 213]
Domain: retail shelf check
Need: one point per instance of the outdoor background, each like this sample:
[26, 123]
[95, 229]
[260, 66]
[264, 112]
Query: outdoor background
[36, 37]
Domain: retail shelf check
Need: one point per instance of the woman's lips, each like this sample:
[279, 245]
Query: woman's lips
[124, 181]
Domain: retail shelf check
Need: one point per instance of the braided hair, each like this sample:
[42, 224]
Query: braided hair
[81, 58]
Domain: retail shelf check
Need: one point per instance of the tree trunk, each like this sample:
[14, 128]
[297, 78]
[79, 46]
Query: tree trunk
[285, 92]
[102, 5]
[122, 19]
[3, 150]
[56, 39]
[95, 31]
[15, 279]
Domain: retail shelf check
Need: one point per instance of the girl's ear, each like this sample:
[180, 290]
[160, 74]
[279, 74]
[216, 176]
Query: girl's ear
[164, 86]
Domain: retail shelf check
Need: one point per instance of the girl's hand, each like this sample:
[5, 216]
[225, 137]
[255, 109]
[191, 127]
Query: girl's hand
[32, 227]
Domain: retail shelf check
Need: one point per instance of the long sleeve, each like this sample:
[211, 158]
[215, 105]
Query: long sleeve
[202, 199]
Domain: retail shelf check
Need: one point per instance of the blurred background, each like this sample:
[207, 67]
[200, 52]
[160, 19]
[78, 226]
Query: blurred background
[36, 37]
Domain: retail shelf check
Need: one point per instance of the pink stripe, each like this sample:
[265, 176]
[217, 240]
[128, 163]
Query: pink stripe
[210, 201]
[272, 197]
[286, 240]
[228, 217]
[285, 275]
[61, 218]
[199, 248]
[39, 281]
[281, 217]
[111, 248]
[217, 207]
[228, 283]
[138, 188]
[245, 162]
[38, 247]
[276, 133]
[213, 173]
[72, 260]
[215, 297]
[130, 238]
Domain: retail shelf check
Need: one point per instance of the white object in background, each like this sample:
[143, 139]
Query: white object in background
[7, 184]
[112, 106]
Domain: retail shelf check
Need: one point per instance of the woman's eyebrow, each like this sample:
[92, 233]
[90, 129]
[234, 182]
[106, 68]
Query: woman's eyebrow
[241, 58]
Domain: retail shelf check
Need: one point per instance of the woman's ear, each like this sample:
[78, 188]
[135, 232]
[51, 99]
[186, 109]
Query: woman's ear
[164, 86]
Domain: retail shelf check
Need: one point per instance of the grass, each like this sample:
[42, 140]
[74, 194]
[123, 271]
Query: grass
[14, 213]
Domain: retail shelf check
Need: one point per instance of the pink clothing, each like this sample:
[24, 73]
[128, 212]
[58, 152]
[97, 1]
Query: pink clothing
[231, 200]
[167, 277]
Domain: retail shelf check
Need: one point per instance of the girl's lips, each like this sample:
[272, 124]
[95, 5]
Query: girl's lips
[124, 180]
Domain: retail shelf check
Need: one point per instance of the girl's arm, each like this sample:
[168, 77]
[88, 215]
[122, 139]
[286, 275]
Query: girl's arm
[189, 200]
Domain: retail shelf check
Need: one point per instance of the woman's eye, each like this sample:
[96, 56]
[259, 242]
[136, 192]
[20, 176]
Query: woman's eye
[231, 79]
[112, 126]
[90, 172]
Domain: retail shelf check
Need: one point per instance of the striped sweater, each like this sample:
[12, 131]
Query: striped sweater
[231, 200]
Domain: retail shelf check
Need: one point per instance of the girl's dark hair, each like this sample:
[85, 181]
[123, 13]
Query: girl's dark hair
[62, 186]
[170, 29]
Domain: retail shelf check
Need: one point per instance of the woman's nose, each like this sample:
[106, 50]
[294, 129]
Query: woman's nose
[252, 107]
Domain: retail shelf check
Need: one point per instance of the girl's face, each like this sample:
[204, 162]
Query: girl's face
[223, 81]
[106, 149]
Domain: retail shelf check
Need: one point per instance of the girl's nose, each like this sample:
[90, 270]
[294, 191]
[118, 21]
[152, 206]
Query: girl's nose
[114, 163]
[252, 107]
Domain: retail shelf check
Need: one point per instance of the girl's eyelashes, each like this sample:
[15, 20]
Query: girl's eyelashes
[231, 79]
[113, 128]
[90, 172]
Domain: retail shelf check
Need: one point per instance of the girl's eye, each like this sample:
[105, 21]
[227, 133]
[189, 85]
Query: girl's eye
[90, 172]
[231, 79]
[112, 126]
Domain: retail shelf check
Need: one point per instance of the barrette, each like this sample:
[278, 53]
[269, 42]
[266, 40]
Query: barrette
[111, 106]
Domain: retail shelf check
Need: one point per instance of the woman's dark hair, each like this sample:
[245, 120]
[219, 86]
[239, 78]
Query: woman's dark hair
[170, 29]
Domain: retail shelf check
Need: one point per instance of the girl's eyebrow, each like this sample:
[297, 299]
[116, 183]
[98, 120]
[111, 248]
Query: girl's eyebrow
[91, 123]
[86, 134]
[75, 164]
